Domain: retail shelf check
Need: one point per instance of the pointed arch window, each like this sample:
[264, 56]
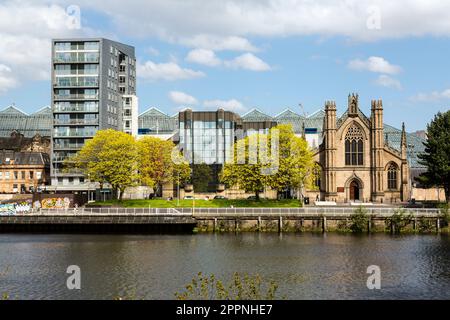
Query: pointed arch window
[354, 146]
[392, 176]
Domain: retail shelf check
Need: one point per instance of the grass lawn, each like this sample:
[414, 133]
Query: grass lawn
[199, 203]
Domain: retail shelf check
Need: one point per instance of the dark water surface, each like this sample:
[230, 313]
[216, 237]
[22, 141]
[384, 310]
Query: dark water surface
[305, 266]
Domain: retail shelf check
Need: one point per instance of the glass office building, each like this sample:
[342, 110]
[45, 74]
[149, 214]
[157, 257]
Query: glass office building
[207, 136]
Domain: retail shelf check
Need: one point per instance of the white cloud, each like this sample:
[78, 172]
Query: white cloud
[433, 96]
[182, 98]
[389, 82]
[218, 43]
[232, 104]
[26, 30]
[248, 61]
[169, 71]
[7, 81]
[183, 21]
[374, 64]
[153, 51]
[204, 57]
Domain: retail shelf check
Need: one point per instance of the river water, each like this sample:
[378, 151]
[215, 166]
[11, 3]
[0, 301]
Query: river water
[305, 266]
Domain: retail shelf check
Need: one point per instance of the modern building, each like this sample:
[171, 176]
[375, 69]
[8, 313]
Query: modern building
[156, 123]
[90, 77]
[23, 172]
[29, 125]
[130, 110]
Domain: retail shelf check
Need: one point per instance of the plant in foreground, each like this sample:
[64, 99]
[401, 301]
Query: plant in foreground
[239, 288]
[359, 220]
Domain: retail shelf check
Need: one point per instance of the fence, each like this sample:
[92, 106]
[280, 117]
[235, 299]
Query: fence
[230, 212]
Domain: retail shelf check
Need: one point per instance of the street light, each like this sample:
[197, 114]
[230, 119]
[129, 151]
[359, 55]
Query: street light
[178, 190]
[410, 151]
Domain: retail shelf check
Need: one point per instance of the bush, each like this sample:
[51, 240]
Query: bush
[399, 220]
[239, 288]
[445, 214]
[426, 225]
[359, 220]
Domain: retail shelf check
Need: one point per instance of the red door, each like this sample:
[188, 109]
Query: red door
[354, 191]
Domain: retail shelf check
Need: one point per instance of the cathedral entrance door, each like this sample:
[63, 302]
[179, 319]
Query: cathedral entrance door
[354, 191]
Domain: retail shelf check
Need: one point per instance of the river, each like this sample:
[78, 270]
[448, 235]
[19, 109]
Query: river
[305, 266]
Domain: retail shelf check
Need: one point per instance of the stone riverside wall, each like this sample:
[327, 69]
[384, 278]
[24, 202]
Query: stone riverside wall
[318, 224]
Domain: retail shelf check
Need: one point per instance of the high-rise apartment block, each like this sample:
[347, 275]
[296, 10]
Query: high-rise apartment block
[90, 78]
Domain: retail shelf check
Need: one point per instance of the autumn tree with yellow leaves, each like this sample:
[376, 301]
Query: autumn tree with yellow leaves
[111, 157]
[116, 158]
[160, 163]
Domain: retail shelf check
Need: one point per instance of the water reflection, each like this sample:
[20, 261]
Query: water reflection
[306, 266]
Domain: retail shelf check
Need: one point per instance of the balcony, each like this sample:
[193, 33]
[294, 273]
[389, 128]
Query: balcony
[75, 134]
[76, 59]
[68, 84]
[75, 108]
[76, 97]
[61, 159]
[68, 146]
[75, 122]
[67, 172]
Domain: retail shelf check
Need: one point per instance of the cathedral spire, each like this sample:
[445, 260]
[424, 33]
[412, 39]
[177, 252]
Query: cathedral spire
[403, 141]
[353, 101]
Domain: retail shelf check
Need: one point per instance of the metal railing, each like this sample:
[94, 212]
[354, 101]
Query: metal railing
[230, 212]
[76, 97]
[75, 122]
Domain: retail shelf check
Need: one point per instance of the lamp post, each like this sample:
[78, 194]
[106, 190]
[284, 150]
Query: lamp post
[410, 151]
[178, 190]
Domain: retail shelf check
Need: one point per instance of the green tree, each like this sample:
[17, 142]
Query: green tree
[296, 165]
[437, 154]
[294, 168]
[110, 157]
[160, 163]
[247, 176]
[201, 177]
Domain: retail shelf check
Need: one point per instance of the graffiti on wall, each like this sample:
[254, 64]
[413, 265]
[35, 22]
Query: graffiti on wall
[13, 208]
[55, 203]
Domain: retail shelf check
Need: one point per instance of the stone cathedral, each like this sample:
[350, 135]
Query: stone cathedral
[356, 162]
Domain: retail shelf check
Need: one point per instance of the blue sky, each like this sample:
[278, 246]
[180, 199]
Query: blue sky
[266, 54]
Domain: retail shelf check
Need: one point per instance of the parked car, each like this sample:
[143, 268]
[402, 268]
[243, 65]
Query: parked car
[220, 198]
[188, 198]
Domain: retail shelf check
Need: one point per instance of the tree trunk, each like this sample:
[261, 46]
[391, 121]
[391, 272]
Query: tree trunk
[122, 190]
[447, 192]
[257, 195]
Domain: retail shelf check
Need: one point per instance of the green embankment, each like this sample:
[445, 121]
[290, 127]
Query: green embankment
[199, 203]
